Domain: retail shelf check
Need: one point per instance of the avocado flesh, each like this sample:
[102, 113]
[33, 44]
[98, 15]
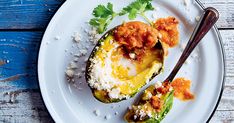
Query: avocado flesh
[156, 117]
[144, 71]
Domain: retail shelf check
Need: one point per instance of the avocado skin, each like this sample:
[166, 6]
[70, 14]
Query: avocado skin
[105, 98]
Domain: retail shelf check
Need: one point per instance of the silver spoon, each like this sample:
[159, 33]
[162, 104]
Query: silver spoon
[208, 19]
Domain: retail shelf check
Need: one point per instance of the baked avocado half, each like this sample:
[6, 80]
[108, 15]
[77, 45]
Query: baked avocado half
[115, 71]
[151, 108]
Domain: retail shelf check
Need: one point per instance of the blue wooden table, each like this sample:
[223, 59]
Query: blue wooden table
[22, 24]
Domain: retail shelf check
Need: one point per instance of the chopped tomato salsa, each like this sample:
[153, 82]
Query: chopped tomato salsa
[156, 103]
[182, 89]
[165, 88]
[136, 35]
[168, 28]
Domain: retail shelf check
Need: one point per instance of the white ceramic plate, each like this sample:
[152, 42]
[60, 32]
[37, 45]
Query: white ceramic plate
[69, 104]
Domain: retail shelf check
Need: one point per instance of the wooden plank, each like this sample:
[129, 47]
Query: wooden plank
[27, 14]
[19, 51]
[35, 14]
[226, 9]
[223, 117]
[228, 40]
[20, 98]
[28, 107]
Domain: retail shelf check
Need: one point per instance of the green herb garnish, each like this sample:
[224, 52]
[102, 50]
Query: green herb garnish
[139, 7]
[103, 16]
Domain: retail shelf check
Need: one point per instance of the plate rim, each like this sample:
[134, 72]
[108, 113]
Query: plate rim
[39, 68]
[224, 64]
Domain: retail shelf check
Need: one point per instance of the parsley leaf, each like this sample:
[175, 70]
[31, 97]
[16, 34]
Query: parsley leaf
[103, 15]
[102, 11]
[137, 7]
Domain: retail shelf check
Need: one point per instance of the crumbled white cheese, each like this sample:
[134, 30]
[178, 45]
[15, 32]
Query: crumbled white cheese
[86, 59]
[187, 61]
[57, 38]
[97, 112]
[132, 55]
[83, 69]
[171, 88]
[160, 36]
[73, 65]
[142, 114]
[126, 97]
[78, 55]
[147, 81]
[182, 46]
[101, 77]
[186, 2]
[93, 35]
[116, 113]
[78, 75]
[70, 73]
[131, 85]
[135, 117]
[197, 18]
[158, 84]
[86, 47]
[107, 117]
[76, 59]
[114, 93]
[159, 95]
[77, 37]
[79, 88]
[111, 41]
[83, 52]
[149, 95]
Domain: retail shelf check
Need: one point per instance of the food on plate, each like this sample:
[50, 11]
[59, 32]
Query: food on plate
[182, 89]
[124, 60]
[130, 55]
[103, 15]
[157, 100]
[168, 27]
[152, 106]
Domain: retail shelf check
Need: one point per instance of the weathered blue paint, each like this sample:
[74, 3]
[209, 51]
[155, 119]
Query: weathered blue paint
[27, 14]
[19, 50]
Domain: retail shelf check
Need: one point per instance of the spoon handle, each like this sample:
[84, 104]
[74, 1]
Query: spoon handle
[208, 19]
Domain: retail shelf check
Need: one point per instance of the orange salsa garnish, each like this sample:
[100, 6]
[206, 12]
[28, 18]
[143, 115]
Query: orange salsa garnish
[168, 27]
[182, 89]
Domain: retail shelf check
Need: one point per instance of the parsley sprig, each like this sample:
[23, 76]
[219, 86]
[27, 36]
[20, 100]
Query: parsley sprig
[139, 7]
[103, 15]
